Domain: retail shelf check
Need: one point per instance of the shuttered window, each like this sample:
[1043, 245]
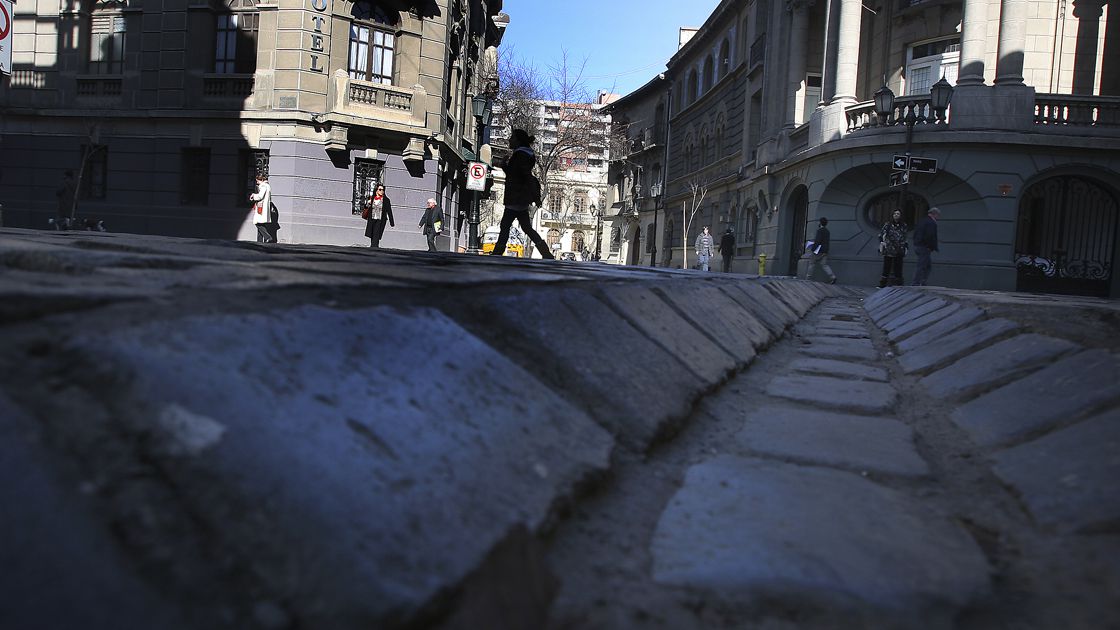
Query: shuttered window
[106, 44]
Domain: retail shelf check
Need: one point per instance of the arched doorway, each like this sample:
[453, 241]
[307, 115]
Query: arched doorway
[798, 208]
[636, 247]
[1065, 238]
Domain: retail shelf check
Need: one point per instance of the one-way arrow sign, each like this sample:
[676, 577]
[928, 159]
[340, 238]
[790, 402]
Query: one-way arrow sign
[901, 162]
[899, 178]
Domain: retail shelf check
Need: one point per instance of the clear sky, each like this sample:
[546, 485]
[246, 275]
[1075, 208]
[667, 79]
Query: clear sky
[624, 42]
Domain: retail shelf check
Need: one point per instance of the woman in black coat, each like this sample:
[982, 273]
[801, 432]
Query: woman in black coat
[522, 190]
[380, 211]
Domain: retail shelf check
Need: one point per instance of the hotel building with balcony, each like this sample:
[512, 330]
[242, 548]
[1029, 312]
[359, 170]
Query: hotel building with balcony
[169, 108]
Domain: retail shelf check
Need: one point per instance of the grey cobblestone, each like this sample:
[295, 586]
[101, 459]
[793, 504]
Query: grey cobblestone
[955, 345]
[894, 308]
[834, 394]
[1068, 479]
[913, 313]
[1059, 393]
[918, 324]
[861, 443]
[994, 364]
[843, 369]
[745, 526]
[839, 348]
[959, 319]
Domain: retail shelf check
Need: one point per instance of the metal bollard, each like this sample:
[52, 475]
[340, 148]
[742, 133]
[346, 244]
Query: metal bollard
[762, 264]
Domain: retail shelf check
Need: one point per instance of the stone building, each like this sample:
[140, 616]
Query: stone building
[168, 108]
[772, 114]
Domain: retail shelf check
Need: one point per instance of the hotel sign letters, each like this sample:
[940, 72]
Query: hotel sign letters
[318, 36]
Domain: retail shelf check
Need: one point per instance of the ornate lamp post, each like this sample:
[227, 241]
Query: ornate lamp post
[598, 212]
[939, 95]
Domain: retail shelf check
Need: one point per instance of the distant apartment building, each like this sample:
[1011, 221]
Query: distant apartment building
[169, 109]
[786, 112]
[573, 155]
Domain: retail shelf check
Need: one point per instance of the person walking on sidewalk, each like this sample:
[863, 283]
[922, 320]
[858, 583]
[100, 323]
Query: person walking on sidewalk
[705, 245]
[522, 189]
[378, 212]
[892, 247]
[262, 210]
[727, 248]
[818, 250]
[925, 243]
[432, 222]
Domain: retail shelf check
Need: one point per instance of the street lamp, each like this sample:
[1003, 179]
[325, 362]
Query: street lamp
[654, 190]
[939, 96]
[598, 212]
[481, 107]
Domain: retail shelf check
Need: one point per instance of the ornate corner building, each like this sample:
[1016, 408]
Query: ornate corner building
[771, 109]
[168, 109]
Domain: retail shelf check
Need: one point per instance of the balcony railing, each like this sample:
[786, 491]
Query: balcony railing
[100, 87]
[227, 86]
[863, 116]
[1076, 111]
[378, 95]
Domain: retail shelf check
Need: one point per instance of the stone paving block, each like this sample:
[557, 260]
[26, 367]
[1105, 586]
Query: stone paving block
[338, 476]
[955, 345]
[793, 295]
[920, 323]
[525, 326]
[901, 319]
[62, 566]
[746, 527]
[1068, 479]
[964, 316]
[1062, 392]
[649, 313]
[842, 369]
[1000, 362]
[839, 348]
[773, 314]
[889, 309]
[834, 394]
[880, 296]
[861, 443]
[720, 317]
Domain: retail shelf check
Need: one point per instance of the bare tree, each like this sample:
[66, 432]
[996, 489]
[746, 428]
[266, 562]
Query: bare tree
[699, 190]
[92, 146]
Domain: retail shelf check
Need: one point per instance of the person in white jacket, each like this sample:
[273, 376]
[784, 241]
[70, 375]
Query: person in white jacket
[262, 210]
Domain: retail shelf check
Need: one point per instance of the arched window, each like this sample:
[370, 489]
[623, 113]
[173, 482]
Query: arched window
[879, 210]
[693, 87]
[724, 61]
[553, 238]
[235, 38]
[708, 73]
[372, 42]
[577, 241]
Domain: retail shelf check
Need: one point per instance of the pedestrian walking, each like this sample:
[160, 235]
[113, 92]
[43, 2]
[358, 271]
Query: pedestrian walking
[705, 246]
[522, 190]
[377, 212]
[432, 222]
[262, 210]
[727, 248]
[818, 250]
[66, 193]
[892, 247]
[925, 243]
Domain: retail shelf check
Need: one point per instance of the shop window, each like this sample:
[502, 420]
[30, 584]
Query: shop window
[367, 174]
[616, 239]
[106, 43]
[95, 175]
[577, 241]
[194, 181]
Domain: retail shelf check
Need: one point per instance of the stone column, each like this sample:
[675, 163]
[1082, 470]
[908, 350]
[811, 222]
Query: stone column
[1088, 14]
[1012, 42]
[798, 42]
[973, 33]
[831, 35]
[847, 50]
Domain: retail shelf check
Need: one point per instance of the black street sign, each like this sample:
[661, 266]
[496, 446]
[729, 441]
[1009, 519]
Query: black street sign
[899, 178]
[901, 162]
[923, 165]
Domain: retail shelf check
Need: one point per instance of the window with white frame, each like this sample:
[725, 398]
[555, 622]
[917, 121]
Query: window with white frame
[106, 42]
[372, 43]
[927, 62]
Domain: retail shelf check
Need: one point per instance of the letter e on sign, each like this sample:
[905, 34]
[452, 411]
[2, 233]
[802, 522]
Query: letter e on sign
[476, 176]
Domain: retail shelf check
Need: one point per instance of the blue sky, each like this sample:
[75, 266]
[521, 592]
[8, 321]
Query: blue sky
[625, 42]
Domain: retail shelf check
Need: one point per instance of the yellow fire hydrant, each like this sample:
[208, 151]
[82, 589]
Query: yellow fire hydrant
[762, 264]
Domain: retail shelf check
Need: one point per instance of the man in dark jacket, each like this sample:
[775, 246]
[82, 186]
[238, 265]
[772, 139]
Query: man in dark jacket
[925, 243]
[432, 222]
[818, 251]
[727, 249]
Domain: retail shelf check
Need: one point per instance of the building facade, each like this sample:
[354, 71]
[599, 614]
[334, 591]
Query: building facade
[168, 109]
[772, 123]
